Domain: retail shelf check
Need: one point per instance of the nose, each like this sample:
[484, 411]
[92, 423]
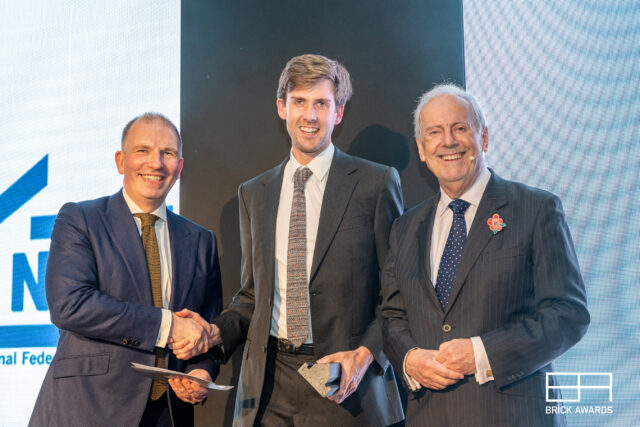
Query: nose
[449, 140]
[310, 113]
[155, 159]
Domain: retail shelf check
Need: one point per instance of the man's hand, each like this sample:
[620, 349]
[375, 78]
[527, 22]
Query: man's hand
[188, 334]
[188, 390]
[458, 355]
[423, 366]
[353, 365]
[184, 348]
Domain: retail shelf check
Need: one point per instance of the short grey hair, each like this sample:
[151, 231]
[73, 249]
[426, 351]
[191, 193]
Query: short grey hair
[449, 89]
[149, 117]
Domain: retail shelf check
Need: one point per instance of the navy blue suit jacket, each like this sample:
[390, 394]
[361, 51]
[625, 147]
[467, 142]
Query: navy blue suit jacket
[520, 290]
[99, 296]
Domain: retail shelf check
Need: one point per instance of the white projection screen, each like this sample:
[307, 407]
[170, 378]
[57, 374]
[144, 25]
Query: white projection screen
[73, 73]
[559, 82]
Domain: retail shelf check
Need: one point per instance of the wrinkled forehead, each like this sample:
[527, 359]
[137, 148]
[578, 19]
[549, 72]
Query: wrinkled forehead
[447, 105]
[147, 129]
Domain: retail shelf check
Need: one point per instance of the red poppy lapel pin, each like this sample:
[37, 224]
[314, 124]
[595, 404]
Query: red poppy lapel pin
[496, 223]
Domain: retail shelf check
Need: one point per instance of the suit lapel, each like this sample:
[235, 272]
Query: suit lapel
[126, 238]
[272, 186]
[493, 199]
[424, 248]
[341, 182]
[183, 258]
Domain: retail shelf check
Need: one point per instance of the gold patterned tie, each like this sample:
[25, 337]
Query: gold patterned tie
[150, 244]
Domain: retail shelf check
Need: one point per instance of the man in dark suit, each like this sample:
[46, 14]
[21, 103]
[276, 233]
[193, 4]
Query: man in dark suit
[116, 268]
[310, 290]
[481, 280]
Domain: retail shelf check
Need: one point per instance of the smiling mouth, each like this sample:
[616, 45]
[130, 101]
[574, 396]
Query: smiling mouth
[309, 130]
[154, 178]
[450, 157]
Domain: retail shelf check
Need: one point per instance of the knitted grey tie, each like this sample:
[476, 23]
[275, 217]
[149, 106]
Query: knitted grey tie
[297, 303]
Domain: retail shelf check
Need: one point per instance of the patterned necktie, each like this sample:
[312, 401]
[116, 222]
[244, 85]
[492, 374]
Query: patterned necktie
[297, 302]
[150, 244]
[452, 251]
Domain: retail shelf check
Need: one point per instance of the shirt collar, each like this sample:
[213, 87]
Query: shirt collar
[473, 195]
[161, 212]
[319, 166]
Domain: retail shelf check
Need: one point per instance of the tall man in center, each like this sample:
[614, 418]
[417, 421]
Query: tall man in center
[314, 234]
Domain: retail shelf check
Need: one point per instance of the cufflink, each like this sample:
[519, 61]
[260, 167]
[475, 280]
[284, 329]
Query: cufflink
[488, 373]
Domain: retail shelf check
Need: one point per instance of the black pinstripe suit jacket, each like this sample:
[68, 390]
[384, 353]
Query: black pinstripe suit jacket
[520, 290]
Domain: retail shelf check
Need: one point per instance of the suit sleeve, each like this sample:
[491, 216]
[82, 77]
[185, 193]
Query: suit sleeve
[210, 308]
[234, 321]
[74, 295]
[396, 332]
[388, 207]
[560, 317]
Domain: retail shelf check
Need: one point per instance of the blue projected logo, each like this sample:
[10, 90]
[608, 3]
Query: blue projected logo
[11, 200]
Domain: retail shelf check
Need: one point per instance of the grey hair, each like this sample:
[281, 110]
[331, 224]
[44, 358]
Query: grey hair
[149, 117]
[449, 89]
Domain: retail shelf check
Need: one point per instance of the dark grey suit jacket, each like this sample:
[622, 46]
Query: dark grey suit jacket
[361, 200]
[520, 290]
[99, 296]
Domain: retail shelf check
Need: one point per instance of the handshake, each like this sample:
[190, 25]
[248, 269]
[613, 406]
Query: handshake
[191, 335]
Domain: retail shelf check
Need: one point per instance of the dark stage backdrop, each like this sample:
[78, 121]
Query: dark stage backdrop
[232, 56]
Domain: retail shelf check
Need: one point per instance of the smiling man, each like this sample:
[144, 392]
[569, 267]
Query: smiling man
[118, 267]
[314, 232]
[481, 281]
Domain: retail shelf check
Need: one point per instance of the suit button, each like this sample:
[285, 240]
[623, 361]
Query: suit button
[446, 327]
[264, 349]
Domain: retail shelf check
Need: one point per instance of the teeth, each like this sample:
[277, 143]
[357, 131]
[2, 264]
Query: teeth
[152, 177]
[308, 130]
[452, 156]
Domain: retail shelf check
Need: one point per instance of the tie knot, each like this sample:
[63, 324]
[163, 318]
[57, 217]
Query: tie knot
[147, 219]
[458, 206]
[301, 176]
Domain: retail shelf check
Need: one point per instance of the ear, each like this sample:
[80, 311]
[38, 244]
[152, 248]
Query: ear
[120, 161]
[180, 164]
[282, 108]
[339, 114]
[485, 139]
[421, 150]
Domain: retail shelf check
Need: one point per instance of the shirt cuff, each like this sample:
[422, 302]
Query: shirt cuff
[413, 384]
[484, 373]
[165, 328]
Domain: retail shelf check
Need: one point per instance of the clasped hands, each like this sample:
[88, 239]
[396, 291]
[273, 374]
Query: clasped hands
[438, 369]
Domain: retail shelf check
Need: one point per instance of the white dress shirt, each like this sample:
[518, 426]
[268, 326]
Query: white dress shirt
[164, 246]
[441, 226]
[313, 192]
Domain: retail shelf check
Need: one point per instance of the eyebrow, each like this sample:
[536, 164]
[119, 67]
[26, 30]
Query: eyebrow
[300, 98]
[453, 124]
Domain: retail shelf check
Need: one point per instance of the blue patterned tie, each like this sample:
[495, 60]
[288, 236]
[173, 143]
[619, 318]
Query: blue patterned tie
[452, 251]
